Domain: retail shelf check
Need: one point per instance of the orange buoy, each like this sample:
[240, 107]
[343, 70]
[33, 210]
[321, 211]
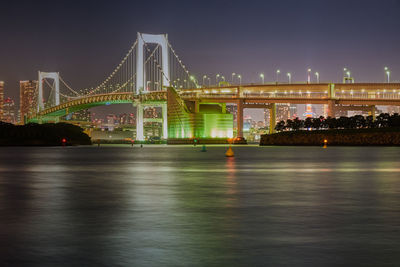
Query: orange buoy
[229, 152]
[325, 143]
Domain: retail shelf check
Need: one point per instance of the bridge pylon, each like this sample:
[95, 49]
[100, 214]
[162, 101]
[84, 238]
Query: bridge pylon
[48, 75]
[142, 40]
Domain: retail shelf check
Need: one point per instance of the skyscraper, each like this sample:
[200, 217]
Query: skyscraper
[1, 100]
[9, 110]
[27, 99]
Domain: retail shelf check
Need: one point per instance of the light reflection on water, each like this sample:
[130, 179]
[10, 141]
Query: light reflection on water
[177, 206]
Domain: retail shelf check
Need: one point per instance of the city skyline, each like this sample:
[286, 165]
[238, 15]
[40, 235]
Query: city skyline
[286, 39]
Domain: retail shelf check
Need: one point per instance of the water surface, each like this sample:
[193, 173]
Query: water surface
[177, 206]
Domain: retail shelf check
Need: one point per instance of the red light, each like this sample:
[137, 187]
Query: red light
[64, 140]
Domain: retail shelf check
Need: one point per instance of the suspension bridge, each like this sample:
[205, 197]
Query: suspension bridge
[152, 74]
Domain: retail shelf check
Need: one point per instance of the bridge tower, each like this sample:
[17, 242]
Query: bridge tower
[48, 75]
[142, 40]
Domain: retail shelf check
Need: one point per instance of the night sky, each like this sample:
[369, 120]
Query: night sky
[84, 40]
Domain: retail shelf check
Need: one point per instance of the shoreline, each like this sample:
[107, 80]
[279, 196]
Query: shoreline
[334, 137]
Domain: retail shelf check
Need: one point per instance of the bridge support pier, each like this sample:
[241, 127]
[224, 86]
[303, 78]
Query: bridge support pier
[239, 119]
[331, 108]
[272, 118]
[139, 122]
[165, 120]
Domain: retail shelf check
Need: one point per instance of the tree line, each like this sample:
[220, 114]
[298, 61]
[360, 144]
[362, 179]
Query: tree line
[384, 120]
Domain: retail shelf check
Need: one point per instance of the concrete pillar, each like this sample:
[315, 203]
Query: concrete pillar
[165, 120]
[272, 118]
[223, 107]
[331, 108]
[139, 122]
[239, 118]
[331, 91]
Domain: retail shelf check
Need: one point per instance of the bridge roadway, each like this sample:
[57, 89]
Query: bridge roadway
[353, 96]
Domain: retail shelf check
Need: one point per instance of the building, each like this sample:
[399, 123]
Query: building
[151, 112]
[9, 111]
[81, 115]
[27, 99]
[283, 112]
[232, 109]
[1, 100]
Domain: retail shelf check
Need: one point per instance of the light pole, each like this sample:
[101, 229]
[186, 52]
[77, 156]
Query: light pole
[317, 74]
[204, 78]
[277, 75]
[223, 78]
[387, 72]
[289, 77]
[309, 76]
[209, 81]
[216, 78]
[240, 79]
[233, 75]
[262, 78]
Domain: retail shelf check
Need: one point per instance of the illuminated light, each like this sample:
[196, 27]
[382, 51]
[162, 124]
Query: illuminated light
[226, 91]
[342, 91]
[291, 91]
[384, 90]
[363, 90]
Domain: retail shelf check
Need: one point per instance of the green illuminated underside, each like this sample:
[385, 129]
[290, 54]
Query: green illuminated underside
[50, 117]
[185, 124]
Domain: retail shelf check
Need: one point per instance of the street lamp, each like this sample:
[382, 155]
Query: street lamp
[223, 78]
[204, 77]
[147, 85]
[277, 75]
[262, 78]
[317, 74]
[289, 77]
[209, 81]
[233, 74]
[344, 74]
[387, 72]
[240, 79]
[309, 76]
[216, 78]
